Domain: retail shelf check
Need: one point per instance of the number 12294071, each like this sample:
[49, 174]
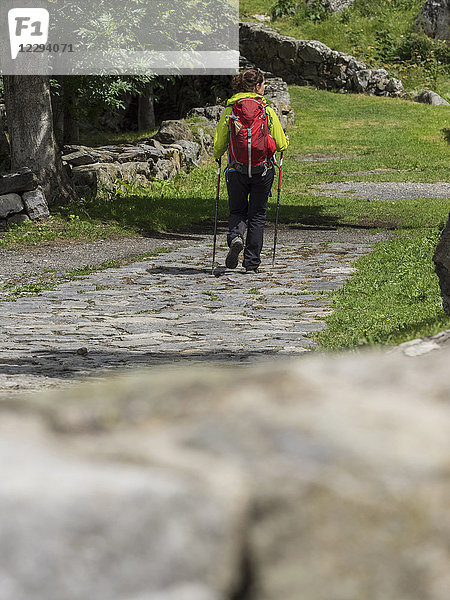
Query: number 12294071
[46, 48]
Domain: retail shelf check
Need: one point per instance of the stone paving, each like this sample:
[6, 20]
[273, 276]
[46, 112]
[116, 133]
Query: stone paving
[169, 308]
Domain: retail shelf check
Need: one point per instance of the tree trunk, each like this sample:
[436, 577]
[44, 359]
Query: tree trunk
[146, 112]
[30, 126]
[70, 106]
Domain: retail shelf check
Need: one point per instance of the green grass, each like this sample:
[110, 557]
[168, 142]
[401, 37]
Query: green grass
[403, 139]
[186, 201]
[394, 297]
[61, 226]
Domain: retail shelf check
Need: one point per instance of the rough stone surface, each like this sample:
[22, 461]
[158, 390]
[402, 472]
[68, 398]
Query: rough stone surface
[325, 477]
[23, 180]
[36, 204]
[312, 63]
[441, 260]
[18, 219]
[189, 153]
[170, 308]
[106, 168]
[434, 19]
[425, 345]
[76, 528]
[429, 97]
[10, 204]
[172, 131]
[211, 113]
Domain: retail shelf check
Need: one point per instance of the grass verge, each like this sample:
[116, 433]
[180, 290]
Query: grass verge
[392, 298]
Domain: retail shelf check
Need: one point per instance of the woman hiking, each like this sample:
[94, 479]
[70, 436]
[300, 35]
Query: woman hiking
[249, 130]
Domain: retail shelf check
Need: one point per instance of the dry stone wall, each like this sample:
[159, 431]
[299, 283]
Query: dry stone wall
[313, 63]
[21, 199]
[107, 168]
[179, 145]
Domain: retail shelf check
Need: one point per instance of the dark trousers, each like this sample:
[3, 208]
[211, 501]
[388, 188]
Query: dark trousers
[247, 199]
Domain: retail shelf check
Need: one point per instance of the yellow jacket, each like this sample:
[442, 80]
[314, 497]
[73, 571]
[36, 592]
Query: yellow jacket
[221, 134]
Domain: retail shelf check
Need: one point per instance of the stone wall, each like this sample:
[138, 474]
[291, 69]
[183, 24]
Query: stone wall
[21, 199]
[106, 168]
[313, 63]
[323, 478]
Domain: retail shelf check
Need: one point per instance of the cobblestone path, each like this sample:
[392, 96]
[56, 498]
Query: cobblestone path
[169, 308]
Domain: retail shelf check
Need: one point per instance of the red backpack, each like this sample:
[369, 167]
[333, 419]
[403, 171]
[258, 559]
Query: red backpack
[250, 144]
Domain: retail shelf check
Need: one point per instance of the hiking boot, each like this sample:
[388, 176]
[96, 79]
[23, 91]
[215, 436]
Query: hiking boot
[232, 258]
[251, 270]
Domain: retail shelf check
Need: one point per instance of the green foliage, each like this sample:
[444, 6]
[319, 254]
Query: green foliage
[72, 223]
[313, 10]
[282, 8]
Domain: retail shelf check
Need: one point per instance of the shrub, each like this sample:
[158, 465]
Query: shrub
[282, 8]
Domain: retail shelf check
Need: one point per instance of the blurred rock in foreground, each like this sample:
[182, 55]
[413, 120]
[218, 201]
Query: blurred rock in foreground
[325, 478]
[441, 260]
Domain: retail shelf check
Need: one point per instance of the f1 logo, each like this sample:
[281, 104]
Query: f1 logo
[27, 26]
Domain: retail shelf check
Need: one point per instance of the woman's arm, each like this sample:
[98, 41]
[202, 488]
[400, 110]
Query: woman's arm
[221, 134]
[276, 131]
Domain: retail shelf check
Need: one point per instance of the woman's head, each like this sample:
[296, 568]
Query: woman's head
[250, 80]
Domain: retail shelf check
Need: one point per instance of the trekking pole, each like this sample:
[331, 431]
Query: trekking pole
[215, 218]
[278, 208]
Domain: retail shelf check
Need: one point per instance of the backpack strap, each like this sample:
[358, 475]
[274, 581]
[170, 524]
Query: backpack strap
[249, 144]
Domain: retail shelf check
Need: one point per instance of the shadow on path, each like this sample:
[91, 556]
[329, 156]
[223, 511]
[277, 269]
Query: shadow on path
[60, 364]
[179, 270]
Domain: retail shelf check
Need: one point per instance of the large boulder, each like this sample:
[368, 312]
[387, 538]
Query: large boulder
[10, 204]
[429, 97]
[22, 180]
[441, 260]
[434, 19]
[322, 478]
[172, 131]
[36, 204]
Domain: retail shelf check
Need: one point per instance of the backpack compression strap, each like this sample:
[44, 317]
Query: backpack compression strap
[249, 144]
